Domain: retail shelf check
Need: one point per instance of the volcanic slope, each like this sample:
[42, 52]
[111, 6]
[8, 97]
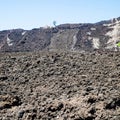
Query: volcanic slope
[104, 35]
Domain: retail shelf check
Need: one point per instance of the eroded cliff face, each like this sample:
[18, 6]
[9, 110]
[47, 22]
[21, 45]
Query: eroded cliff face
[114, 34]
[69, 37]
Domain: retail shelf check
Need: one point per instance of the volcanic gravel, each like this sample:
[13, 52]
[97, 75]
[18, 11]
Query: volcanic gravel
[60, 86]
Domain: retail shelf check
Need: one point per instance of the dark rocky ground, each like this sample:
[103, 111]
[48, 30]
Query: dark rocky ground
[60, 86]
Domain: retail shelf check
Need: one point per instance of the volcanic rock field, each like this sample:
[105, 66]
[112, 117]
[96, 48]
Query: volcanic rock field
[60, 85]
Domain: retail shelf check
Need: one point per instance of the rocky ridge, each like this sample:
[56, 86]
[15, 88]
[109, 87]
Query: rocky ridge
[70, 37]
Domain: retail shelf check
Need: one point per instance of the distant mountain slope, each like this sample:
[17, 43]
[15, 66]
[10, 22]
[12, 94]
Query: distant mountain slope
[71, 37]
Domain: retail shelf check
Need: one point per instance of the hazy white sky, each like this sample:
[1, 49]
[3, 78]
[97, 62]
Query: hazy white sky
[28, 14]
